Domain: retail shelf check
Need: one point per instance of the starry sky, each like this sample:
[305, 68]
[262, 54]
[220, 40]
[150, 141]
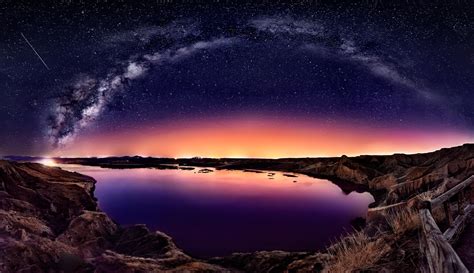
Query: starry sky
[227, 79]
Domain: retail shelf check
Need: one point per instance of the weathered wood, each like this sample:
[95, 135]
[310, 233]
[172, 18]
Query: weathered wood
[468, 195]
[451, 192]
[461, 203]
[428, 261]
[458, 224]
[447, 212]
[440, 254]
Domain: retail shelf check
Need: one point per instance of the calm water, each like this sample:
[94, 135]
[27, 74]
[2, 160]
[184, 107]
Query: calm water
[217, 213]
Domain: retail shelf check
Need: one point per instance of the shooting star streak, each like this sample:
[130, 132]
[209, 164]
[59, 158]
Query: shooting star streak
[37, 54]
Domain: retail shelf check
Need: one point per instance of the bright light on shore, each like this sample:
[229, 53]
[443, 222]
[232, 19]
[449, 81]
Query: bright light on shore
[48, 162]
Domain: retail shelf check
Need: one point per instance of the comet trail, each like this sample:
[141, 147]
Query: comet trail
[336, 72]
[36, 52]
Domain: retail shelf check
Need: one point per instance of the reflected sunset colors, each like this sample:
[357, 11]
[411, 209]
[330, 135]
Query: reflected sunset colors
[220, 212]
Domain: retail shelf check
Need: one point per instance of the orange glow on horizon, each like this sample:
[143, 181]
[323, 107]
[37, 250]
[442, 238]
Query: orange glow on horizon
[48, 162]
[262, 138]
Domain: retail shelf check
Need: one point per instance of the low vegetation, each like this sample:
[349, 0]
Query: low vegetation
[356, 252]
[403, 221]
[394, 242]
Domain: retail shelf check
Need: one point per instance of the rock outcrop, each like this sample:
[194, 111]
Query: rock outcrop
[49, 222]
[391, 179]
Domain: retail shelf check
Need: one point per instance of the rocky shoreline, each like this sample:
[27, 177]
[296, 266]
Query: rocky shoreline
[391, 178]
[51, 222]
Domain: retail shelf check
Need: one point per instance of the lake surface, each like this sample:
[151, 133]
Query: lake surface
[223, 211]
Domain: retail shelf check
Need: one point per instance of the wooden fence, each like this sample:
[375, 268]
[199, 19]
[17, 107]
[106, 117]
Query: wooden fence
[440, 255]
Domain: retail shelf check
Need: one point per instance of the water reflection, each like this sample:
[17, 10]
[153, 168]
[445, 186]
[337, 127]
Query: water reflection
[221, 212]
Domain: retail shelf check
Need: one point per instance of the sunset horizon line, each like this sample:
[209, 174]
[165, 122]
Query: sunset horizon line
[233, 157]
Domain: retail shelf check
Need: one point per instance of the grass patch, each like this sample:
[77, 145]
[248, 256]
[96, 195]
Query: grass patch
[356, 252]
[403, 220]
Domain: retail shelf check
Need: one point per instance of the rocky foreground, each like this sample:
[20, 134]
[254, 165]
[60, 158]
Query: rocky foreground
[50, 221]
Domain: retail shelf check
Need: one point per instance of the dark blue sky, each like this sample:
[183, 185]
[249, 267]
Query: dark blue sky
[114, 65]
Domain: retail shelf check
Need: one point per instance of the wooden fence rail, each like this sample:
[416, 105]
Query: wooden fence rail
[440, 255]
[451, 192]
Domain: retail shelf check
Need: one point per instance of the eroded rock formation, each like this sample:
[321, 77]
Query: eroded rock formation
[50, 221]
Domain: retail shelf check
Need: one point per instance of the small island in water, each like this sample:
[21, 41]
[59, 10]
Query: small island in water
[53, 217]
[232, 136]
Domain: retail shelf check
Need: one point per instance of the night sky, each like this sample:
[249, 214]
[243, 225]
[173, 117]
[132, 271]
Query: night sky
[116, 75]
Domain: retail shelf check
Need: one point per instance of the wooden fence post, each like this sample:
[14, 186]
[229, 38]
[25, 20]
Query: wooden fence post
[440, 254]
[447, 211]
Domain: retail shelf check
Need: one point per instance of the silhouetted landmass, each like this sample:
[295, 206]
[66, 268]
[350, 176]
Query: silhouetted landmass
[50, 221]
[391, 178]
